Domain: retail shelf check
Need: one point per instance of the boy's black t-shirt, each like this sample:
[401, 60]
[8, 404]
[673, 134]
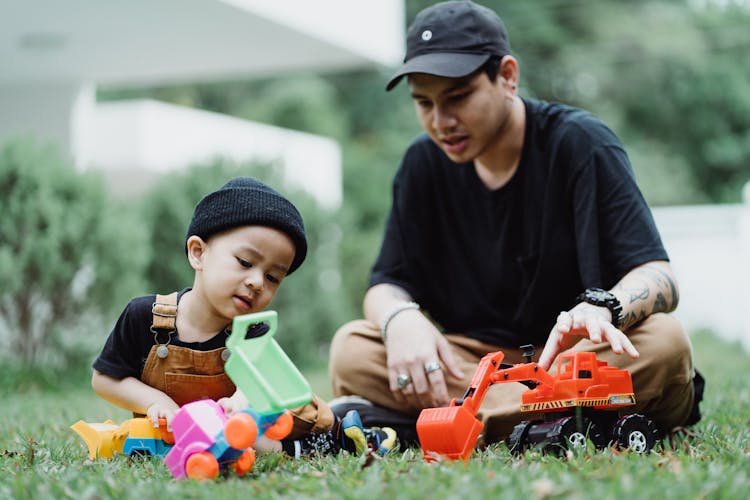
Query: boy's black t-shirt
[499, 265]
[127, 347]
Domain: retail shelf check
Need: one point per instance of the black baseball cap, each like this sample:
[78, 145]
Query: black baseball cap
[452, 39]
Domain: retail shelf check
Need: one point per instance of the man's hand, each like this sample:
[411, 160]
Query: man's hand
[584, 321]
[412, 343]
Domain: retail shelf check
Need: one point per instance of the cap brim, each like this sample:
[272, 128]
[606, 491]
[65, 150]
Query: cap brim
[447, 64]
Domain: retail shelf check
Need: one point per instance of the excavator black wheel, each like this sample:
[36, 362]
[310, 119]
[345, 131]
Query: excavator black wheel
[635, 433]
[573, 433]
[518, 440]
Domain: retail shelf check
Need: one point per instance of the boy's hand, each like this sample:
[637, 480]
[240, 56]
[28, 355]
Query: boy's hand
[162, 410]
[237, 402]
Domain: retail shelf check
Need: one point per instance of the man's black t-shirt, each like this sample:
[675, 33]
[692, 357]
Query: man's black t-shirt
[499, 265]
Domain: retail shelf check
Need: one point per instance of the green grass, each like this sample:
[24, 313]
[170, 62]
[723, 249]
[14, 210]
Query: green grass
[41, 458]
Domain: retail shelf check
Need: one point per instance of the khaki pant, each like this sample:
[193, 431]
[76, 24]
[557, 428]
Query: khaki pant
[662, 375]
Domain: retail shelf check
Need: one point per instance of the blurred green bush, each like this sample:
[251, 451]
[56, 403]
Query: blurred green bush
[72, 255]
[68, 254]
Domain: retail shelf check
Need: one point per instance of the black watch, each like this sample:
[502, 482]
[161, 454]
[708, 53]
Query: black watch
[599, 297]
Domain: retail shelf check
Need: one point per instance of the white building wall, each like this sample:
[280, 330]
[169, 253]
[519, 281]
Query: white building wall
[38, 110]
[709, 247]
[375, 29]
[152, 136]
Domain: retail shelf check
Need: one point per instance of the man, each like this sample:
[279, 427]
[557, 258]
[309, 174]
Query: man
[514, 221]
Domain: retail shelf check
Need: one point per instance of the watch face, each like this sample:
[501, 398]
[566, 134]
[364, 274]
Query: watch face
[599, 294]
[600, 297]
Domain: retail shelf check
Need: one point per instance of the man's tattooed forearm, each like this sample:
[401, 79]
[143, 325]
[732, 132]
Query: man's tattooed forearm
[647, 290]
[664, 283]
[669, 281]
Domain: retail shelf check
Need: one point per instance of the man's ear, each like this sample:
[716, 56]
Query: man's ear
[509, 71]
[196, 248]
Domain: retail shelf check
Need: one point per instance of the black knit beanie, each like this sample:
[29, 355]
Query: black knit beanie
[244, 201]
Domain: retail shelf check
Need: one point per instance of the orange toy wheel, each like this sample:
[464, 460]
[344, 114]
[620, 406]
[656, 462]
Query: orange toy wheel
[245, 462]
[241, 431]
[166, 435]
[281, 428]
[202, 466]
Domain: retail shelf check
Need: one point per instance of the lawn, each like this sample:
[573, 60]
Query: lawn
[41, 458]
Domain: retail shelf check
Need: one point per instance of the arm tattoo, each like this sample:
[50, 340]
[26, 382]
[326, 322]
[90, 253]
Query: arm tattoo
[670, 282]
[641, 294]
[660, 304]
[632, 318]
[650, 290]
[664, 285]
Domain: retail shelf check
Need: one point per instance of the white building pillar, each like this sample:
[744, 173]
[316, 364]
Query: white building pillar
[744, 271]
[44, 111]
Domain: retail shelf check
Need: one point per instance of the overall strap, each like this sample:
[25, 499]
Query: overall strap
[164, 311]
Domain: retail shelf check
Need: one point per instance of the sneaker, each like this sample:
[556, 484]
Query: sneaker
[699, 386]
[347, 434]
[358, 439]
[375, 416]
[311, 444]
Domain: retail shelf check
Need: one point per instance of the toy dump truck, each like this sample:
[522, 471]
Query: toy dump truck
[135, 436]
[580, 402]
[260, 368]
[208, 442]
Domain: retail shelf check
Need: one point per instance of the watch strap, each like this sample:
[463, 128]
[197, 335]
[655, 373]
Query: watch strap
[603, 298]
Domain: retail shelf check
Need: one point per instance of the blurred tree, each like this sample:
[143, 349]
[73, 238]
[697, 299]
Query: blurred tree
[381, 125]
[699, 104]
[165, 210]
[670, 77]
[66, 253]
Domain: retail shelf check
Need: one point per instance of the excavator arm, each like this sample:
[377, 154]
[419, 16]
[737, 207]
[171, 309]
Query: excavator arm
[453, 431]
[480, 382]
[524, 373]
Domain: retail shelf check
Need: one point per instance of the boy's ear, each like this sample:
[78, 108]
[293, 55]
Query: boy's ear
[195, 250]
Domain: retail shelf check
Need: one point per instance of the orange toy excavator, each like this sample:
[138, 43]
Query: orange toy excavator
[581, 401]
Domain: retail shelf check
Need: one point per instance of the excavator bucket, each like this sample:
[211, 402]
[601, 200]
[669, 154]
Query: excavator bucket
[451, 432]
[448, 432]
[103, 439]
[260, 368]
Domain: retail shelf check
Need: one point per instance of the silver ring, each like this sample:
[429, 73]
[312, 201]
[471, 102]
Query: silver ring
[403, 380]
[432, 366]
